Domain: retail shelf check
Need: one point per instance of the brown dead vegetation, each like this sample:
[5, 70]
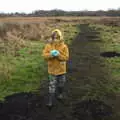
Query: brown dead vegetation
[14, 31]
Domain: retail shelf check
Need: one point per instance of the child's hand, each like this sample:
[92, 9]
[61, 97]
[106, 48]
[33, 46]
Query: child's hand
[54, 53]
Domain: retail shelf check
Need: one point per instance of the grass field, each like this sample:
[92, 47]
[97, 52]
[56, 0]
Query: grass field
[91, 75]
[22, 40]
[21, 66]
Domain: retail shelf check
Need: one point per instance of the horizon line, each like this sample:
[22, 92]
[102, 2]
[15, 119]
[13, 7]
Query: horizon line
[58, 10]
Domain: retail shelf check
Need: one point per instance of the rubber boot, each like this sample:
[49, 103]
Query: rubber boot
[50, 100]
[60, 93]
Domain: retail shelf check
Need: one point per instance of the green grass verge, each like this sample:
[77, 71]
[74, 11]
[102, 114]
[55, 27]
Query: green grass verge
[24, 72]
[110, 41]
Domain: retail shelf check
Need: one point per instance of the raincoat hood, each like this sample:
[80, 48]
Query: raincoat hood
[59, 33]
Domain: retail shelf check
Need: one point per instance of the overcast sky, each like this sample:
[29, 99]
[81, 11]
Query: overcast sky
[27, 6]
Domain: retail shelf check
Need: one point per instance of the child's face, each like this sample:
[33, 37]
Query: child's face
[55, 37]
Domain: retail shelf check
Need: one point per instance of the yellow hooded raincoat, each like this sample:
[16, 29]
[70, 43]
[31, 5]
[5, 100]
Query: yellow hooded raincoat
[56, 65]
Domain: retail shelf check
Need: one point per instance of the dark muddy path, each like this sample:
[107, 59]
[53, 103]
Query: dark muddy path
[86, 89]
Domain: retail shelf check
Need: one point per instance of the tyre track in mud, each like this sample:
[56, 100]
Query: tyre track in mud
[87, 69]
[90, 79]
[87, 76]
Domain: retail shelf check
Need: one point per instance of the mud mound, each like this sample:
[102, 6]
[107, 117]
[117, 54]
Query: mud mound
[91, 110]
[110, 54]
[30, 106]
[19, 106]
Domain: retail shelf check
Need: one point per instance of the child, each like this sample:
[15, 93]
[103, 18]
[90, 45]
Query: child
[56, 53]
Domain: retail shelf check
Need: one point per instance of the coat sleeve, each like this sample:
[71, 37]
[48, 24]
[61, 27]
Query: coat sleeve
[64, 54]
[46, 52]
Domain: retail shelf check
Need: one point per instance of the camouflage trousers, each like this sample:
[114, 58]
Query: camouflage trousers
[56, 82]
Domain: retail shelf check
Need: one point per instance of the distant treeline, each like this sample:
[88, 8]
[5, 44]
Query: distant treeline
[56, 12]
